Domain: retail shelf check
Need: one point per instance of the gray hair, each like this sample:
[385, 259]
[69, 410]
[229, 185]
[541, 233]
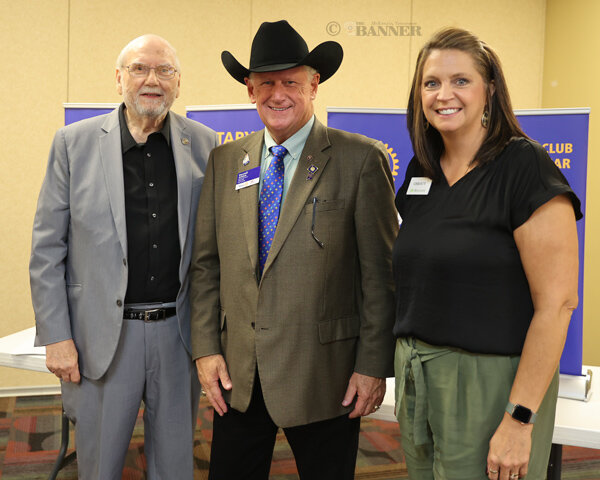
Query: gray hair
[120, 63]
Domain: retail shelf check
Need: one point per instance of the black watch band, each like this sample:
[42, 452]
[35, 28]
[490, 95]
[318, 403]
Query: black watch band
[520, 413]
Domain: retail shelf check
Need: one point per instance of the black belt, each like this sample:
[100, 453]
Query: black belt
[151, 315]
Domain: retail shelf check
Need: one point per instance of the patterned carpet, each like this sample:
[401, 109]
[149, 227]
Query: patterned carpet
[30, 438]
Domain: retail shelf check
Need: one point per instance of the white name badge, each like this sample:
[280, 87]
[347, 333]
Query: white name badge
[247, 178]
[419, 186]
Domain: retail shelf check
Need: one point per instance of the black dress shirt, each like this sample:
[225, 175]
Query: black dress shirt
[150, 182]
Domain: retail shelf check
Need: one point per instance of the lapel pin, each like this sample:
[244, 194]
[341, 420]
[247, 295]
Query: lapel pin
[246, 160]
[185, 140]
[312, 169]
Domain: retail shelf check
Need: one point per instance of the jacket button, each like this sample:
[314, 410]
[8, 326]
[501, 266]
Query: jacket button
[119, 303]
[252, 324]
[124, 262]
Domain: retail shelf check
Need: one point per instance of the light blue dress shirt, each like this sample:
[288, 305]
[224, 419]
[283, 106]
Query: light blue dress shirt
[294, 145]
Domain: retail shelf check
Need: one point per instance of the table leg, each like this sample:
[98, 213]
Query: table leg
[555, 462]
[61, 459]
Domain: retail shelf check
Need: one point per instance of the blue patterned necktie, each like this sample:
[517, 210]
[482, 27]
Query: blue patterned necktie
[270, 204]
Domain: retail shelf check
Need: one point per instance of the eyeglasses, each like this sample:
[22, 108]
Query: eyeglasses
[163, 72]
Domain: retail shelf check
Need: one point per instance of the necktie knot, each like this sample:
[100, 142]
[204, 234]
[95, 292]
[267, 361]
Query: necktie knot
[278, 151]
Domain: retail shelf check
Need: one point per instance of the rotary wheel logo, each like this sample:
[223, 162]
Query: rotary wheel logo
[393, 156]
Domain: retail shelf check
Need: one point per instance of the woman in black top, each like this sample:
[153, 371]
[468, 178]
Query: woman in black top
[485, 267]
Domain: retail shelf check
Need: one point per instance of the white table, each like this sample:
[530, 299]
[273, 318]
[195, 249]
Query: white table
[578, 423]
[17, 351]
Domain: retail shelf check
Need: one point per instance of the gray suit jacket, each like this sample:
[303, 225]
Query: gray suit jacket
[78, 268]
[318, 313]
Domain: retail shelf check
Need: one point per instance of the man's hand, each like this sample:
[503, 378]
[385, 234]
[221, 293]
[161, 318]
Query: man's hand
[61, 360]
[211, 370]
[370, 392]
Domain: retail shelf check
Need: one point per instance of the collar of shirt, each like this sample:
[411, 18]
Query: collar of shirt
[294, 145]
[127, 141]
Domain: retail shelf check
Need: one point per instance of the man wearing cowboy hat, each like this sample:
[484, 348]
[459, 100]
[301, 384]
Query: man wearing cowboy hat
[292, 300]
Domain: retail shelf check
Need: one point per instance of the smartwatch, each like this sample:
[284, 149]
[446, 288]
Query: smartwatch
[520, 413]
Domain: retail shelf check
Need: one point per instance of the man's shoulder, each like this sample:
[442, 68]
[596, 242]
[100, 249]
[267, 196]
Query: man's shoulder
[88, 124]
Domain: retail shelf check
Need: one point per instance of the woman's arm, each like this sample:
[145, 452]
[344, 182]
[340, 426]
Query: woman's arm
[547, 244]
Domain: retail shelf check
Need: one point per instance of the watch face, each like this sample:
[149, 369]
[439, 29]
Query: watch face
[522, 414]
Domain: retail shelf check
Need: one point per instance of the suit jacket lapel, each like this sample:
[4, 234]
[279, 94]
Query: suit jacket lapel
[297, 196]
[182, 153]
[249, 196]
[112, 163]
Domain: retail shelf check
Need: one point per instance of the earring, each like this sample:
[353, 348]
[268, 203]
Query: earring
[485, 118]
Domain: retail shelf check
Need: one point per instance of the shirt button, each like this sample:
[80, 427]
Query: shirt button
[154, 245]
[151, 184]
[152, 278]
[148, 154]
[154, 215]
[119, 303]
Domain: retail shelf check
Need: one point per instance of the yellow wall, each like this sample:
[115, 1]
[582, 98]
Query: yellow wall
[64, 51]
[570, 70]
[35, 38]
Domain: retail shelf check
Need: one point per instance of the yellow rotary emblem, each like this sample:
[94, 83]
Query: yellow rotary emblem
[395, 165]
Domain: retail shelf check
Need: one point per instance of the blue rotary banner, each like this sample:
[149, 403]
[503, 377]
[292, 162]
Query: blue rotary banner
[562, 132]
[79, 111]
[564, 135]
[385, 124]
[231, 122]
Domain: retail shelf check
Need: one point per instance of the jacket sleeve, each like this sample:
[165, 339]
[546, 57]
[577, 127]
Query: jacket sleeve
[205, 273]
[376, 223]
[47, 267]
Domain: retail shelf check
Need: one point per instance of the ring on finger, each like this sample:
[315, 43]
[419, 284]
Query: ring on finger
[376, 407]
[513, 475]
[494, 472]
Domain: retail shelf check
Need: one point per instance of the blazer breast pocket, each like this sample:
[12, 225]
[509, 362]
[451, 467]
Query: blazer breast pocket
[324, 205]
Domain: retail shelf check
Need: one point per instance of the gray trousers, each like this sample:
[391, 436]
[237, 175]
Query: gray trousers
[151, 365]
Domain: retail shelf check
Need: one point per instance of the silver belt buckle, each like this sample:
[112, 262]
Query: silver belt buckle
[148, 312]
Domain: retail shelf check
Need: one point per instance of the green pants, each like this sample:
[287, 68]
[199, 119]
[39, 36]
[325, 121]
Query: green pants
[449, 403]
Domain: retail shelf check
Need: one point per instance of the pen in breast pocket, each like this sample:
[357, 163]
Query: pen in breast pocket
[314, 218]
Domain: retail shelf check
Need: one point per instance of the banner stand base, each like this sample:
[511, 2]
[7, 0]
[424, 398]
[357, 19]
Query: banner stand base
[575, 387]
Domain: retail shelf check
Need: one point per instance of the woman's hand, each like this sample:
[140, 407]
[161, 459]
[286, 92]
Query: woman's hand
[510, 447]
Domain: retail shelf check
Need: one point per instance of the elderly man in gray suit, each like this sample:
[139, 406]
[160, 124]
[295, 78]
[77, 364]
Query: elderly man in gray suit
[291, 277]
[112, 242]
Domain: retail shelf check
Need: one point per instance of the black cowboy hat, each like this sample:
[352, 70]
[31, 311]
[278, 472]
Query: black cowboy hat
[277, 46]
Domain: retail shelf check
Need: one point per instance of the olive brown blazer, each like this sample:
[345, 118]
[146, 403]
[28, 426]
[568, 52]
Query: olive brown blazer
[319, 313]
